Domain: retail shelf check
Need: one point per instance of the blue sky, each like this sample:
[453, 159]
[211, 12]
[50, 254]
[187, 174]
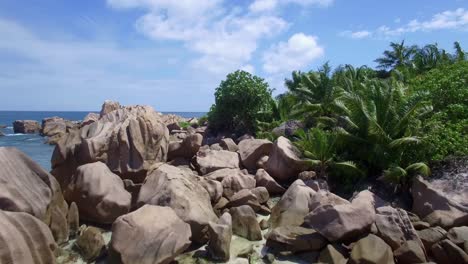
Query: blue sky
[73, 55]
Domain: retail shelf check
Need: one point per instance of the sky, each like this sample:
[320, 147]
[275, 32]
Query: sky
[62, 55]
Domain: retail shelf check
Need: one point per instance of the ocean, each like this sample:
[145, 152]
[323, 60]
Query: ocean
[33, 144]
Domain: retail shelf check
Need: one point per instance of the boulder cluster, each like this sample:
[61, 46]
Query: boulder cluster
[177, 195]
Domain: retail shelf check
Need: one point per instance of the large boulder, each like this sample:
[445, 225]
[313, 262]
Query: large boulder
[25, 239]
[170, 186]
[395, 228]
[228, 144]
[90, 118]
[149, 235]
[99, 194]
[297, 202]
[26, 126]
[263, 179]
[185, 149]
[371, 250]
[28, 188]
[431, 236]
[109, 106]
[54, 128]
[295, 239]
[251, 150]
[244, 223]
[340, 222]
[448, 252]
[220, 234]
[435, 208]
[284, 163]
[128, 140]
[232, 180]
[208, 160]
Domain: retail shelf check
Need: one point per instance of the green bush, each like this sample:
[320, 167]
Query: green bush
[446, 131]
[238, 102]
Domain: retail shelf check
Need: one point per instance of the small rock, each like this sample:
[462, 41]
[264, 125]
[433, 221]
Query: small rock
[261, 193]
[220, 234]
[263, 179]
[295, 239]
[73, 219]
[251, 150]
[264, 224]
[431, 236]
[371, 250]
[410, 252]
[244, 223]
[333, 254]
[90, 243]
[307, 175]
[262, 161]
[228, 144]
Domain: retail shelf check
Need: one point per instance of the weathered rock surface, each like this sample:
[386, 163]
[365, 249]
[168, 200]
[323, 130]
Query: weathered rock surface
[170, 186]
[26, 126]
[344, 221]
[55, 127]
[371, 250]
[297, 202]
[232, 180]
[228, 144]
[159, 236]
[244, 223]
[209, 160]
[90, 118]
[288, 128]
[251, 150]
[220, 234]
[395, 228]
[263, 179]
[431, 236]
[295, 239]
[26, 187]
[262, 194]
[213, 187]
[25, 239]
[244, 197]
[435, 208]
[333, 254]
[128, 140]
[99, 194]
[73, 219]
[90, 243]
[447, 252]
[458, 235]
[109, 106]
[284, 163]
[185, 149]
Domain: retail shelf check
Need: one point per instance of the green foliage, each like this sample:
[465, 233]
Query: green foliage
[203, 120]
[184, 124]
[238, 101]
[446, 88]
[320, 149]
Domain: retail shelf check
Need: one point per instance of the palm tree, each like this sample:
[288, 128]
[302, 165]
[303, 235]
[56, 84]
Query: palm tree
[319, 147]
[460, 54]
[380, 125]
[278, 112]
[316, 95]
[399, 56]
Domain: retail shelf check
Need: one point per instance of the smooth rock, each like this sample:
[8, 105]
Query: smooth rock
[295, 239]
[211, 160]
[26, 187]
[185, 149]
[220, 234]
[251, 150]
[90, 118]
[263, 179]
[371, 250]
[284, 163]
[129, 141]
[435, 208]
[228, 144]
[73, 219]
[26, 126]
[261, 193]
[262, 161]
[170, 186]
[213, 187]
[344, 221]
[410, 252]
[333, 254]
[99, 194]
[25, 239]
[244, 223]
[458, 235]
[232, 180]
[447, 252]
[159, 236]
[431, 236]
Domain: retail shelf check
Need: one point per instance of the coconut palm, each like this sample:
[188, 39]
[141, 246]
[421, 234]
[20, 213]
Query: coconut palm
[399, 56]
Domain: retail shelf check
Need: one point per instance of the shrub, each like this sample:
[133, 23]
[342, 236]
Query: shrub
[238, 101]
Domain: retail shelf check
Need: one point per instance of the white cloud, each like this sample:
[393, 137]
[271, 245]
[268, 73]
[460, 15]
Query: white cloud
[299, 51]
[224, 39]
[450, 19]
[270, 5]
[356, 34]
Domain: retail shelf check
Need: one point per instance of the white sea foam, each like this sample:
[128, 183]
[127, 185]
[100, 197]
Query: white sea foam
[14, 135]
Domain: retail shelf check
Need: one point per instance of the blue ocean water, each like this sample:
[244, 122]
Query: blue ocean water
[33, 144]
